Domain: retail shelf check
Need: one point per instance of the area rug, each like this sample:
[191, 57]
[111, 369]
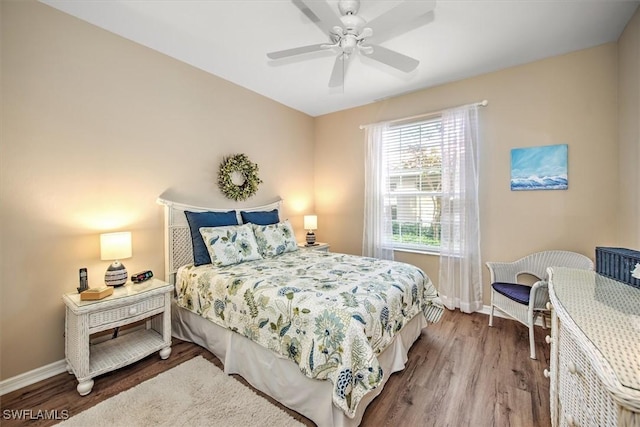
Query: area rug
[195, 393]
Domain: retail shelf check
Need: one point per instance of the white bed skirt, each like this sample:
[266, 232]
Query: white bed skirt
[279, 377]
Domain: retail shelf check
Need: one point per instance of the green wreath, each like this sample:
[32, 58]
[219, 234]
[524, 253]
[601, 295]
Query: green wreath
[241, 164]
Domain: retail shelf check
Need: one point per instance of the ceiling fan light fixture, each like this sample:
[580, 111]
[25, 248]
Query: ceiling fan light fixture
[365, 33]
[337, 31]
[348, 43]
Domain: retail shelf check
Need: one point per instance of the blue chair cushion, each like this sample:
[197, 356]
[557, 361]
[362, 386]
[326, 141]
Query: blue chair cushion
[513, 291]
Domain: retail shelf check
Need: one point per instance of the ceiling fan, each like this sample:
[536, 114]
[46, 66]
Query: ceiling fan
[349, 33]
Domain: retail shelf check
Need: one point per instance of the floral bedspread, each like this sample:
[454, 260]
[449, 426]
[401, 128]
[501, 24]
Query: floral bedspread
[329, 313]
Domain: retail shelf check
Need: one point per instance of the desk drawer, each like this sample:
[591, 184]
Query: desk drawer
[584, 400]
[572, 383]
[125, 312]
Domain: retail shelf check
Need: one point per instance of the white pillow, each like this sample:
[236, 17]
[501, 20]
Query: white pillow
[231, 244]
[275, 239]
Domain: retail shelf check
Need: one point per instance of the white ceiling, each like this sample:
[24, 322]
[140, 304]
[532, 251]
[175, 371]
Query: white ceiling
[459, 39]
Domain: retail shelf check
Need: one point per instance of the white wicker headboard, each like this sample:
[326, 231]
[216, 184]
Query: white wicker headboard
[178, 250]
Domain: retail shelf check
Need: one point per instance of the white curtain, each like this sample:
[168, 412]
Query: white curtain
[377, 215]
[460, 278]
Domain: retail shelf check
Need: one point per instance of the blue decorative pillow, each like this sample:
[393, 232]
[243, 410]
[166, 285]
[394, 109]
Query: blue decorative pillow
[196, 221]
[261, 217]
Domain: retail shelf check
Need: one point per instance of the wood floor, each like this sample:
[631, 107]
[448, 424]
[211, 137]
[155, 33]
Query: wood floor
[460, 373]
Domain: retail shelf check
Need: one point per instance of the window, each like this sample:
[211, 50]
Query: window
[414, 159]
[421, 193]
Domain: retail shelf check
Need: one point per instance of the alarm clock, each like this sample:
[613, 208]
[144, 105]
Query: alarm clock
[142, 276]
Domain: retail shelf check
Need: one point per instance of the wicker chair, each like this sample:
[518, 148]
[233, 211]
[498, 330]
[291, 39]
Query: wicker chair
[525, 303]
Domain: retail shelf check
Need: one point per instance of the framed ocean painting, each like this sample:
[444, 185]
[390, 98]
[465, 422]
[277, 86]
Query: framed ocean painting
[539, 168]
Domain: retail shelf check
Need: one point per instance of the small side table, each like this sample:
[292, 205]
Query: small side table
[319, 246]
[150, 300]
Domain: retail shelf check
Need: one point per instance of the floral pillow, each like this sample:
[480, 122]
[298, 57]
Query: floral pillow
[275, 239]
[230, 245]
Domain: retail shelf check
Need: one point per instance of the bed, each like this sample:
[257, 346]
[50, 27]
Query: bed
[319, 332]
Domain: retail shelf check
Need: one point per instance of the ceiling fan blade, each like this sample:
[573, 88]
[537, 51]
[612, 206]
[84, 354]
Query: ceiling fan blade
[404, 12]
[296, 51]
[339, 71]
[327, 18]
[393, 59]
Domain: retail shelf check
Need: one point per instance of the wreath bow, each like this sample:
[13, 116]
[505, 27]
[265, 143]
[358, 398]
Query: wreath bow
[241, 164]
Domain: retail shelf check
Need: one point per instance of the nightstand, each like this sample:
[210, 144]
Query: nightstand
[319, 246]
[150, 301]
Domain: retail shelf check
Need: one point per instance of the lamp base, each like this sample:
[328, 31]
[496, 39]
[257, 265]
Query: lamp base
[311, 238]
[116, 275]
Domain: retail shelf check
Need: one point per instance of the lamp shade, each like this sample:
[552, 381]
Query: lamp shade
[115, 246]
[310, 222]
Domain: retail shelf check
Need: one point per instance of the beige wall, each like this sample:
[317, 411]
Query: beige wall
[95, 128]
[570, 99]
[629, 133]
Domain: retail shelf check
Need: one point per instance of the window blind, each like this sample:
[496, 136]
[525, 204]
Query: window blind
[413, 156]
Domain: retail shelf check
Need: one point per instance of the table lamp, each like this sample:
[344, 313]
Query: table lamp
[310, 224]
[115, 246]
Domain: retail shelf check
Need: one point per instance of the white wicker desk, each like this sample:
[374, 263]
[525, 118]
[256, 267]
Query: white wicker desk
[595, 350]
[131, 303]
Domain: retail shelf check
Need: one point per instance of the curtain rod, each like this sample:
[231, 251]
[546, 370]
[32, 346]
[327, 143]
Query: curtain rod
[482, 103]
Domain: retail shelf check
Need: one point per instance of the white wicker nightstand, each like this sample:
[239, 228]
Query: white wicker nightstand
[324, 247]
[131, 303]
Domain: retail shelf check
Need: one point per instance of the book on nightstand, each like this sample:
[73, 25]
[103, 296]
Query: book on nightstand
[96, 293]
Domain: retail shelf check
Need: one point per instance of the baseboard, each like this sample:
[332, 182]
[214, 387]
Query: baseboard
[486, 309]
[55, 368]
[32, 377]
